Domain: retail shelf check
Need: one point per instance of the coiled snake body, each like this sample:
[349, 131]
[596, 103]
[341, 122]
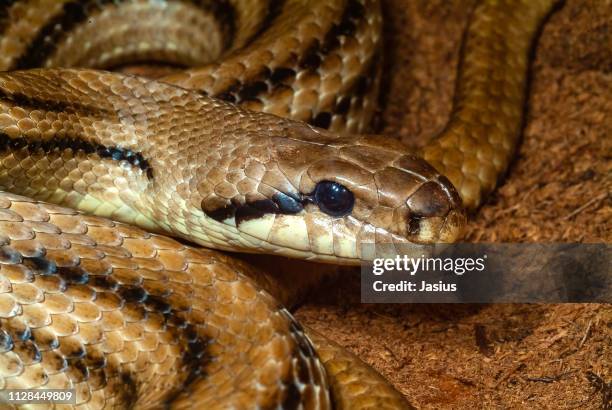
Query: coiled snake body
[259, 148]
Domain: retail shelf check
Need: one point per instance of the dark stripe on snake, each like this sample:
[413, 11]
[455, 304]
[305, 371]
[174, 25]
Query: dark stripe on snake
[18, 331]
[34, 103]
[76, 12]
[5, 7]
[356, 92]
[353, 13]
[292, 397]
[280, 203]
[95, 359]
[128, 391]
[281, 74]
[45, 339]
[298, 331]
[218, 213]
[351, 18]
[321, 120]
[27, 351]
[16, 336]
[72, 351]
[275, 7]
[78, 371]
[39, 265]
[224, 14]
[254, 210]
[74, 275]
[303, 352]
[6, 341]
[48, 146]
[268, 80]
[195, 356]
[9, 255]
[44, 44]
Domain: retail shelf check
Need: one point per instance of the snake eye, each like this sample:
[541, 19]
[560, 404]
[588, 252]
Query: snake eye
[333, 199]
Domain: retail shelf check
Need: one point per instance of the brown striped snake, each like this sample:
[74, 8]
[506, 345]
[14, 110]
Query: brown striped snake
[258, 146]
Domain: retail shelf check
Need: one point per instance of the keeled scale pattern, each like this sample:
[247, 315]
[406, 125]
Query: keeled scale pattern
[124, 316]
[476, 147]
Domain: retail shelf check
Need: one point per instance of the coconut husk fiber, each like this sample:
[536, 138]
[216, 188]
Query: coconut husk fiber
[558, 190]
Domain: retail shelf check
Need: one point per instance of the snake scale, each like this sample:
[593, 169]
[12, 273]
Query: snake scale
[255, 140]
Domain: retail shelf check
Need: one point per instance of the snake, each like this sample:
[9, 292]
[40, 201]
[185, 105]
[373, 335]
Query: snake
[252, 135]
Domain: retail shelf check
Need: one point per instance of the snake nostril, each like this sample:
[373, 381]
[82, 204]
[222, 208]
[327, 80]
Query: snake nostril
[431, 199]
[414, 225]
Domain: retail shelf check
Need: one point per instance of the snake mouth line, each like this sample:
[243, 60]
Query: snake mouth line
[279, 204]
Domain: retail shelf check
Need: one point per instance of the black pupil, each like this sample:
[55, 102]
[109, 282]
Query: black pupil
[333, 199]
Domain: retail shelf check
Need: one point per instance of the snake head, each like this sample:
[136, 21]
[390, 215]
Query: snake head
[318, 195]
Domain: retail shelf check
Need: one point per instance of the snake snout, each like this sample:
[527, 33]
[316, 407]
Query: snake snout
[434, 198]
[436, 212]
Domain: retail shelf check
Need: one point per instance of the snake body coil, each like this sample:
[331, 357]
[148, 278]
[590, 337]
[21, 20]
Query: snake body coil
[256, 149]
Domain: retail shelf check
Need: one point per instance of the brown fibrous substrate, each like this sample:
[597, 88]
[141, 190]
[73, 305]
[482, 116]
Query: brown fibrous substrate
[557, 190]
